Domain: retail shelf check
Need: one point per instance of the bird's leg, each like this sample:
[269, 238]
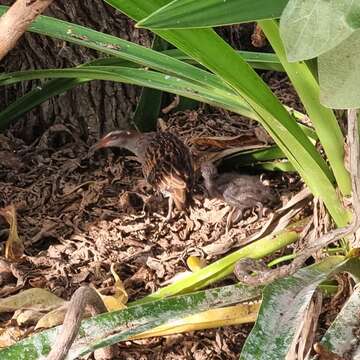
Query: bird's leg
[230, 220]
[260, 207]
[169, 214]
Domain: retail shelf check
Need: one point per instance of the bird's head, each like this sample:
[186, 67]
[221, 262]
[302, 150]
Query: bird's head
[117, 138]
[208, 170]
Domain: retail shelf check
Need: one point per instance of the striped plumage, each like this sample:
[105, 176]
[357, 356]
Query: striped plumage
[166, 162]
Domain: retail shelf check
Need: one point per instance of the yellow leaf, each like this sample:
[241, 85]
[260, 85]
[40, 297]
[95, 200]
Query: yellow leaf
[120, 298]
[195, 263]
[233, 315]
[112, 303]
[14, 248]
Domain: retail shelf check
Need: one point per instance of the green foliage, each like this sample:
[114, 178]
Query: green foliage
[339, 74]
[149, 103]
[205, 46]
[109, 328]
[200, 13]
[329, 30]
[283, 306]
[341, 336]
[310, 28]
[323, 119]
[225, 266]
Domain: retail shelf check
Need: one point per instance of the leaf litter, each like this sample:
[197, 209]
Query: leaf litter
[81, 213]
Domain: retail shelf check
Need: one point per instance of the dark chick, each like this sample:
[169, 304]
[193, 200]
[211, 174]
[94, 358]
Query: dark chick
[239, 191]
[166, 162]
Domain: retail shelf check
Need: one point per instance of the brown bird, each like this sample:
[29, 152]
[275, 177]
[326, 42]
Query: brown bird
[239, 191]
[166, 162]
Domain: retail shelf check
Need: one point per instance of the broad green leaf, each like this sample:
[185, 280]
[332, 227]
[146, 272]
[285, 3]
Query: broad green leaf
[149, 103]
[49, 89]
[258, 60]
[264, 61]
[207, 48]
[250, 157]
[135, 76]
[208, 13]
[225, 266]
[341, 335]
[323, 119]
[283, 305]
[110, 328]
[310, 28]
[123, 49]
[339, 74]
[283, 166]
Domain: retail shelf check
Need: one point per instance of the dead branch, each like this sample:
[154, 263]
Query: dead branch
[83, 298]
[264, 276]
[16, 20]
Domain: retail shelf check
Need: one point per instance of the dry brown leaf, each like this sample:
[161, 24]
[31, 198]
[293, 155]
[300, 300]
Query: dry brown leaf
[27, 316]
[10, 335]
[35, 299]
[211, 214]
[53, 318]
[156, 265]
[14, 248]
[225, 142]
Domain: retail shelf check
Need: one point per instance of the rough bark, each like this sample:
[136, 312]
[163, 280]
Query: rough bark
[95, 107]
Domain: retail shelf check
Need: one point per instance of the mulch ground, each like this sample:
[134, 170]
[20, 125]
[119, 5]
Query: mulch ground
[80, 212]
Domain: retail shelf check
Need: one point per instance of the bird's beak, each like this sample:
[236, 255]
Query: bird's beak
[101, 143]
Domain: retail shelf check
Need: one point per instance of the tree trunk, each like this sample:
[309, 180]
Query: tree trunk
[94, 107]
[97, 106]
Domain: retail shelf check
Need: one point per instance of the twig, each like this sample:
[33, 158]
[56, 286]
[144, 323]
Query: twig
[243, 268]
[172, 105]
[16, 20]
[82, 298]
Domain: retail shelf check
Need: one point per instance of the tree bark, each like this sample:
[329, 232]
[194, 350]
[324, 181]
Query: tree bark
[94, 107]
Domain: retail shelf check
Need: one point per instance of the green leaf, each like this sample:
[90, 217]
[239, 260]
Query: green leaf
[339, 74]
[123, 49]
[283, 306]
[323, 119]
[139, 77]
[49, 89]
[283, 166]
[258, 60]
[109, 328]
[225, 266]
[341, 337]
[149, 103]
[180, 14]
[310, 28]
[264, 61]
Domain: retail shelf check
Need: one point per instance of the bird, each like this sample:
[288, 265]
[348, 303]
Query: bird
[239, 191]
[166, 163]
